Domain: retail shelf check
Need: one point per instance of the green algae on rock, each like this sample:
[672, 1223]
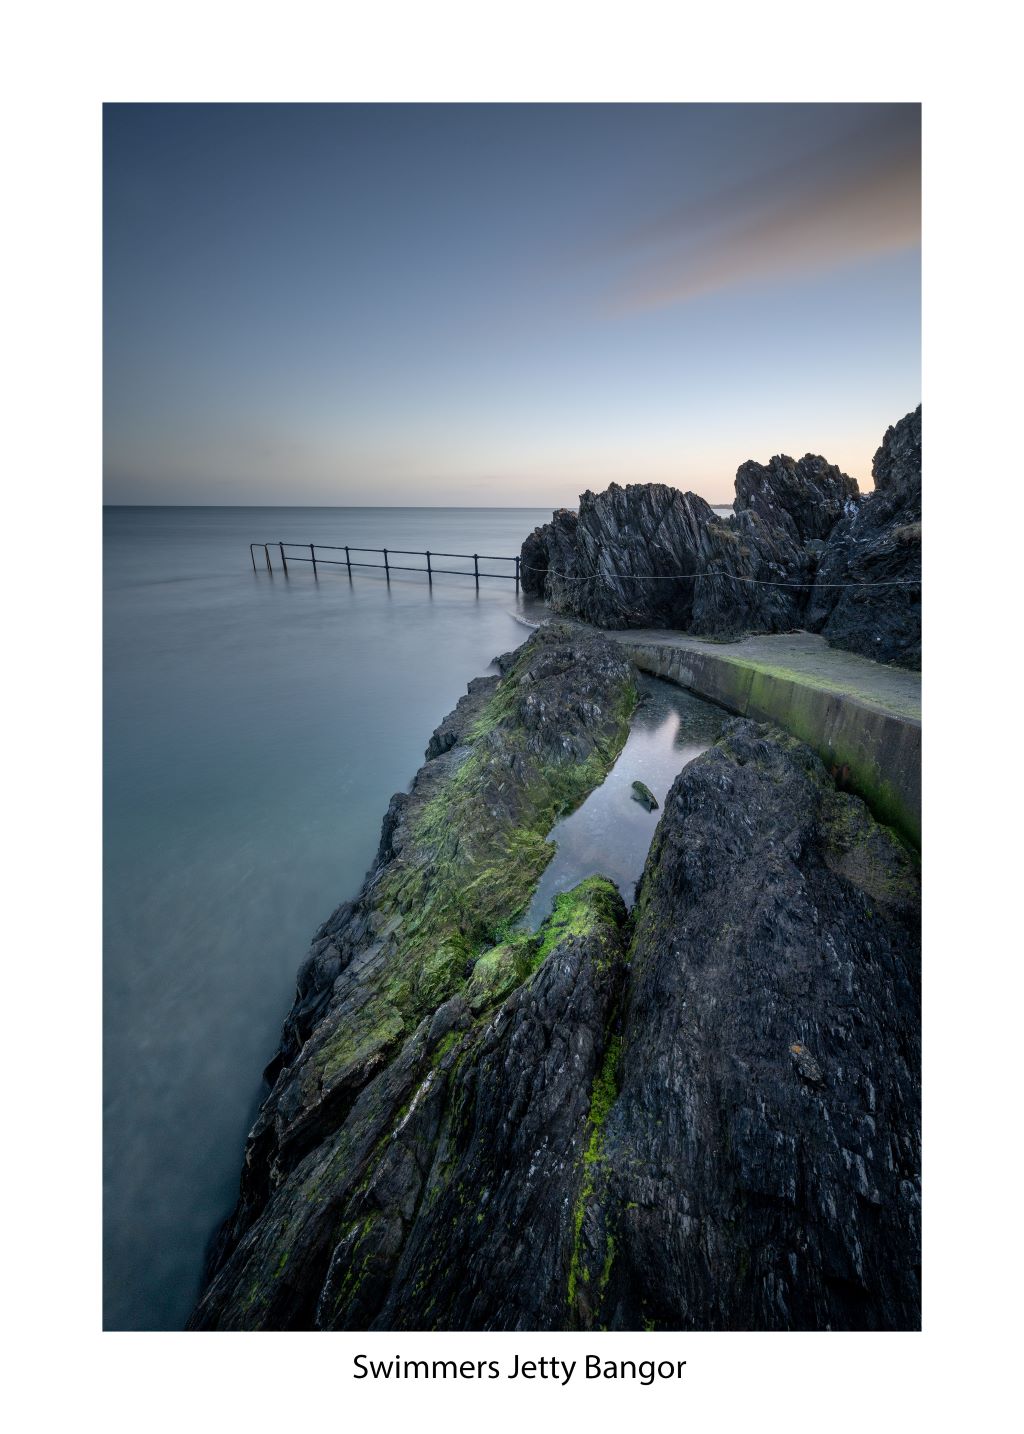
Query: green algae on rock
[700, 1115]
[459, 857]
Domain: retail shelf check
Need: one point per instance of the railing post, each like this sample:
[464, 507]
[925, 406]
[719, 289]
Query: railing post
[280, 545]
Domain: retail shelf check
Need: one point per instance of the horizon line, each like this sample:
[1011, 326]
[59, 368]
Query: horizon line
[399, 507]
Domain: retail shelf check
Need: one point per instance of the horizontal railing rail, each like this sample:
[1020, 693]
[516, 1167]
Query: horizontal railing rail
[430, 570]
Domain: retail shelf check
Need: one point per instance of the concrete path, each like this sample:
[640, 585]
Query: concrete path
[861, 717]
[804, 657]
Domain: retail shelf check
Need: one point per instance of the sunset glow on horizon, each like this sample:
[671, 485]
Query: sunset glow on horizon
[501, 305]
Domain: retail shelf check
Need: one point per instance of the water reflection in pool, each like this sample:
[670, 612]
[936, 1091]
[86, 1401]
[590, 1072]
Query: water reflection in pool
[610, 834]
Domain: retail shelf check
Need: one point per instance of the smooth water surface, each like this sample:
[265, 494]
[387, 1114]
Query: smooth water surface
[611, 833]
[255, 729]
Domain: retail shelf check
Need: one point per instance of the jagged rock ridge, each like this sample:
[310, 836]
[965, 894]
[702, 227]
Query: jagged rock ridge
[459, 858]
[878, 542]
[704, 1116]
[766, 1130]
[802, 549]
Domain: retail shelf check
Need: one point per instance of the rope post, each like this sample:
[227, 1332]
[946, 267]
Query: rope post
[387, 570]
[476, 570]
[517, 574]
[312, 554]
[430, 576]
[266, 554]
[284, 560]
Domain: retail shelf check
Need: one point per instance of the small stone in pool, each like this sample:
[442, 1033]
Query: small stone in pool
[642, 793]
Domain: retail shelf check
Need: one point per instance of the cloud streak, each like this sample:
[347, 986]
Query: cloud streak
[850, 200]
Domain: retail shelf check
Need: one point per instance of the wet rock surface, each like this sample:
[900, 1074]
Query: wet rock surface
[643, 794]
[701, 1116]
[802, 549]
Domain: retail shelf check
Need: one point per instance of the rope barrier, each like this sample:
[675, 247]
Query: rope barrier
[757, 582]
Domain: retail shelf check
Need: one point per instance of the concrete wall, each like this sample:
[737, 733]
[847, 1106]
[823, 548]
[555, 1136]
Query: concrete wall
[881, 749]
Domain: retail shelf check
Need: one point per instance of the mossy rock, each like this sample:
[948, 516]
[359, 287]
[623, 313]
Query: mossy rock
[643, 794]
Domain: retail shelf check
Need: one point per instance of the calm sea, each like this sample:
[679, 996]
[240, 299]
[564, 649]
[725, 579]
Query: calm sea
[256, 726]
[255, 729]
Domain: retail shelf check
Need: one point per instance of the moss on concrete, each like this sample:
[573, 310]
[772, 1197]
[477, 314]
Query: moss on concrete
[861, 721]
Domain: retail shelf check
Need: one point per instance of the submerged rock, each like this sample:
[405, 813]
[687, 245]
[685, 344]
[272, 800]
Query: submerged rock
[643, 794]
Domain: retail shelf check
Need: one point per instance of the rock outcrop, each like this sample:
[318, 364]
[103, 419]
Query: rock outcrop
[460, 855]
[804, 499]
[619, 558]
[702, 1116]
[651, 556]
[802, 549]
[874, 558]
[763, 1149]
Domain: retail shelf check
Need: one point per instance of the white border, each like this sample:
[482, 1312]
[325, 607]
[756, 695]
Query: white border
[62, 61]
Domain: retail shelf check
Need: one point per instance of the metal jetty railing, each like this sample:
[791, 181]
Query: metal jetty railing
[387, 566]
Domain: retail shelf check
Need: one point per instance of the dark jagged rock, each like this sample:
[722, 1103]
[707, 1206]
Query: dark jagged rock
[549, 547]
[459, 858]
[877, 548]
[755, 579]
[448, 734]
[651, 556]
[897, 464]
[705, 1116]
[475, 1230]
[616, 562]
[804, 499]
[762, 1153]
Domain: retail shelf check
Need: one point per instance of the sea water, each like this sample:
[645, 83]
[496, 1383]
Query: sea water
[255, 727]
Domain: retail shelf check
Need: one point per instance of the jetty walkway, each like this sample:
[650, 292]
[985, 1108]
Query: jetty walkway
[863, 718]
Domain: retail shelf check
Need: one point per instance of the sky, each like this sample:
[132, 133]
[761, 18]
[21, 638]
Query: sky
[501, 305]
